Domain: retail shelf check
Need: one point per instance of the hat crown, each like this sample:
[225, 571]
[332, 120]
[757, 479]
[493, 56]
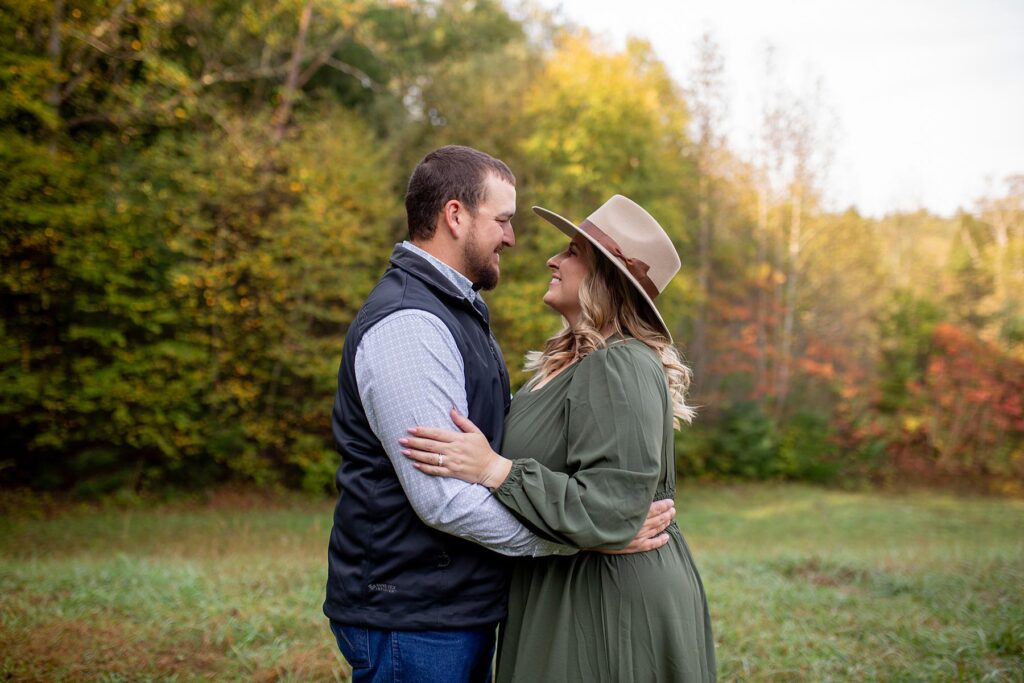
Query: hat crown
[639, 236]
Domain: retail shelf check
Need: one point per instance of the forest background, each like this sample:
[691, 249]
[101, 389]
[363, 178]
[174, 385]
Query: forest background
[196, 197]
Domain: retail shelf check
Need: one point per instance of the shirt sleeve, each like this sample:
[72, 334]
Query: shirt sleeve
[616, 431]
[409, 372]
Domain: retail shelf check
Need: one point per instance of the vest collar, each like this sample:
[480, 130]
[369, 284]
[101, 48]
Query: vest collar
[422, 269]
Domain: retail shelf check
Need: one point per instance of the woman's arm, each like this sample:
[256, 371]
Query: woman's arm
[467, 458]
[616, 428]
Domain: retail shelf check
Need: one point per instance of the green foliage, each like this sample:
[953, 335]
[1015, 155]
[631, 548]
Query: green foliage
[196, 198]
[746, 443]
[906, 332]
[179, 294]
[806, 448]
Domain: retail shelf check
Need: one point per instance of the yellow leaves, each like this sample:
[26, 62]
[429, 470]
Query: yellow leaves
[574, 170]
[1009, 488]
[244, 392]
[767, 274]
[166, 12]
[605, 120]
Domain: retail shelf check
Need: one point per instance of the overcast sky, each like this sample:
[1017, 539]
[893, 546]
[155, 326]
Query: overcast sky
[929, 94]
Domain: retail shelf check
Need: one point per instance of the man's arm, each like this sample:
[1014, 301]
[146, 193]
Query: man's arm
[409, 372]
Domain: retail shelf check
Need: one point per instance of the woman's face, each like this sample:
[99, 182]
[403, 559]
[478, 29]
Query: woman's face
[568, 268]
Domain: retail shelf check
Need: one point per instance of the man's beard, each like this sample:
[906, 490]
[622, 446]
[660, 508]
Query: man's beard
[479, 268]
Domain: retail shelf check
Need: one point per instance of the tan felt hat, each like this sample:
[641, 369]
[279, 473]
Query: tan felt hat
[624, 232]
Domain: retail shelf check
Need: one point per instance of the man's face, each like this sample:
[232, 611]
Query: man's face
[490, 231]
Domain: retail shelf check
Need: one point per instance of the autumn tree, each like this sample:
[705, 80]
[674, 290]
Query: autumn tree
[707, 101]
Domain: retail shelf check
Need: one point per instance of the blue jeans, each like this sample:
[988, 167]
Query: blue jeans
[417, 656]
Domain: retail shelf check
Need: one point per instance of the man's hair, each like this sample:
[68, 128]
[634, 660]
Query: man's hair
[450, 172]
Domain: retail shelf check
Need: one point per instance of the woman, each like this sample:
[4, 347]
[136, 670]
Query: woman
[588, 447]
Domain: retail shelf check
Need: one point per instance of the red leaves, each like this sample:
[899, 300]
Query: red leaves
[966, 375]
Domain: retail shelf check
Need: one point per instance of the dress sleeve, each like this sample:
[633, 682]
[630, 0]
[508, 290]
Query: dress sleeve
[616, 408]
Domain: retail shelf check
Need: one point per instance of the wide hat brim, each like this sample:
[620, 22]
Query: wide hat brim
[571, 230]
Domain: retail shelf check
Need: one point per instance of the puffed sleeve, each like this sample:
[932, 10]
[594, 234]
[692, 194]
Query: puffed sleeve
[616, 411]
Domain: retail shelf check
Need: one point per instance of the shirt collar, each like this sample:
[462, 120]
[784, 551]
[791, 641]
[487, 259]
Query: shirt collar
[461, 282]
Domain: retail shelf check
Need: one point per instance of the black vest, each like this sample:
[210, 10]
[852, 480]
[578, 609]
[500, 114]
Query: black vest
[386, 568]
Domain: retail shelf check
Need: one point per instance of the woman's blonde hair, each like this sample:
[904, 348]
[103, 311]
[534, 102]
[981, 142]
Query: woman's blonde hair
[609, 300]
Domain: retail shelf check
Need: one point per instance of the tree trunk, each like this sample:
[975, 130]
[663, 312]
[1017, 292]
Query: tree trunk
[785, 359]
[700, 346]
[1002, 240]
[283, 112]
[53, 52]
[762, 283]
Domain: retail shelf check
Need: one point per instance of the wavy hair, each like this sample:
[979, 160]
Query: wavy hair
[608, 300]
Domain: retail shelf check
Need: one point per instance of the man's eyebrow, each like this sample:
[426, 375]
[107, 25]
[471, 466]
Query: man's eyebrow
[506, 215]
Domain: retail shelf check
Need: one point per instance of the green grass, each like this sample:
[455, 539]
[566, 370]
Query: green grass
[805, 584]
[814, 585]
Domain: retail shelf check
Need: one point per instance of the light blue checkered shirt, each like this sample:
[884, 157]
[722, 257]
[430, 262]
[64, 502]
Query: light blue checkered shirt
[410, 372]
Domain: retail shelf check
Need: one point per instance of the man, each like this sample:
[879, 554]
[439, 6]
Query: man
[416, 578]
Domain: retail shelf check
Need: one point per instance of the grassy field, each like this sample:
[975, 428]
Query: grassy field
[805, 584]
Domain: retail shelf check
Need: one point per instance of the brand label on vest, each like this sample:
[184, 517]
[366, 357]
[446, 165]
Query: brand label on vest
[383, 587]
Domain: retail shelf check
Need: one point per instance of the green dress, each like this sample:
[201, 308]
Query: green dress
[591, 449]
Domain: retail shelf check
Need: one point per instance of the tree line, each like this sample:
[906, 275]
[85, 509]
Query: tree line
[196, 198]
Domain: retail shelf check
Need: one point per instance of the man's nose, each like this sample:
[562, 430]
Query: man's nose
[508, 236]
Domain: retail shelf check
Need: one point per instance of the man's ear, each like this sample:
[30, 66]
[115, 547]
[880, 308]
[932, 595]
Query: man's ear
[453, 218]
